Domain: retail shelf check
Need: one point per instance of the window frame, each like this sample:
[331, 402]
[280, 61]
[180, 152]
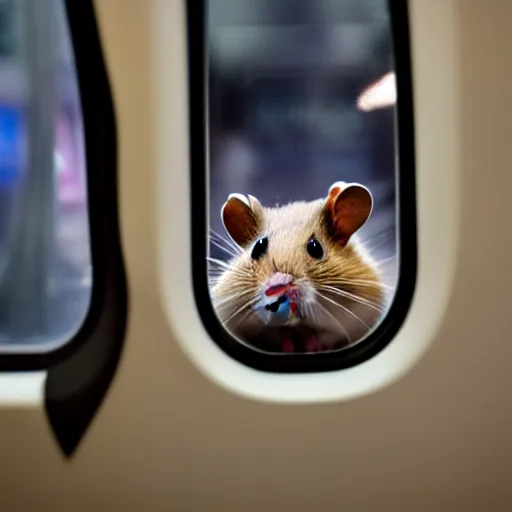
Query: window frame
[100, 143]
[407, 251]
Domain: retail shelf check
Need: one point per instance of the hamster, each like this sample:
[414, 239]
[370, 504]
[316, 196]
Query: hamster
[298, 280]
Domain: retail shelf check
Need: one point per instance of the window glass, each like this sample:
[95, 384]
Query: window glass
[7, 29]
[302, 171]
[45, 259]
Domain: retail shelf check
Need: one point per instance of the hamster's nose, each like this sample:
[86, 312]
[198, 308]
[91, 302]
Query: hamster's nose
[277, 283]
[278, 304]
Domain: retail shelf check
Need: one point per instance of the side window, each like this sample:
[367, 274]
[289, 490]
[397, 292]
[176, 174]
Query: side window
[310, 257]
[45, 253]
[63, 294]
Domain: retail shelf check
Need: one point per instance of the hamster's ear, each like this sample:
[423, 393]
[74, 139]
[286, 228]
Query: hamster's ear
[347, 208]
[242, 216]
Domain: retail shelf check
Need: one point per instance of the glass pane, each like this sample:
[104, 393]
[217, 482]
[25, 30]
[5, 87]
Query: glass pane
[45, 260]
[301, 97]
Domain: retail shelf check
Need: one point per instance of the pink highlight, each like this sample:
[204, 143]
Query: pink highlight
[275, 290]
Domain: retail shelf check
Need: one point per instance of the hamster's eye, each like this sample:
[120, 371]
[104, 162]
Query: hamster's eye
[314, 249]
[260, 248]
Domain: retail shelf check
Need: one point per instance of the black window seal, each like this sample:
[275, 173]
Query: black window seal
[109, 300]
[197, 49]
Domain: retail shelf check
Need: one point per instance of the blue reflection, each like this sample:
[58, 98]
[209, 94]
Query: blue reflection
[11, 128]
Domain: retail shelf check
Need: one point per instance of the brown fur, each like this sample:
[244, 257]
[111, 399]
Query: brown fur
[344, 267]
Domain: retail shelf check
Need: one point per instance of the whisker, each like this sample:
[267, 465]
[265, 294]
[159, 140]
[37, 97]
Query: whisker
[232, 256]
[385, 235]
[360, 282]
[230, 298]
[308, 312]
[344, 329]
[242, 317]
[241, 309]
[351, 296]
[226, 241]
[343, 308]
[225, 265]
[215, 272]
[223, 248]
[242, 285]
[244, 276]
[339, 285]
[385, 260]
[243, 280]
[216, 261]
[376, 246]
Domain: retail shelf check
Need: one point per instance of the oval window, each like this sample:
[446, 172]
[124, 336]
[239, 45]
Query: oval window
[301, 127]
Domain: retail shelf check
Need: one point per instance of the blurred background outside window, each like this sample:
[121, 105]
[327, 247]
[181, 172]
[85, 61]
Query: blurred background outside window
[301, 95]
[45, 262]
